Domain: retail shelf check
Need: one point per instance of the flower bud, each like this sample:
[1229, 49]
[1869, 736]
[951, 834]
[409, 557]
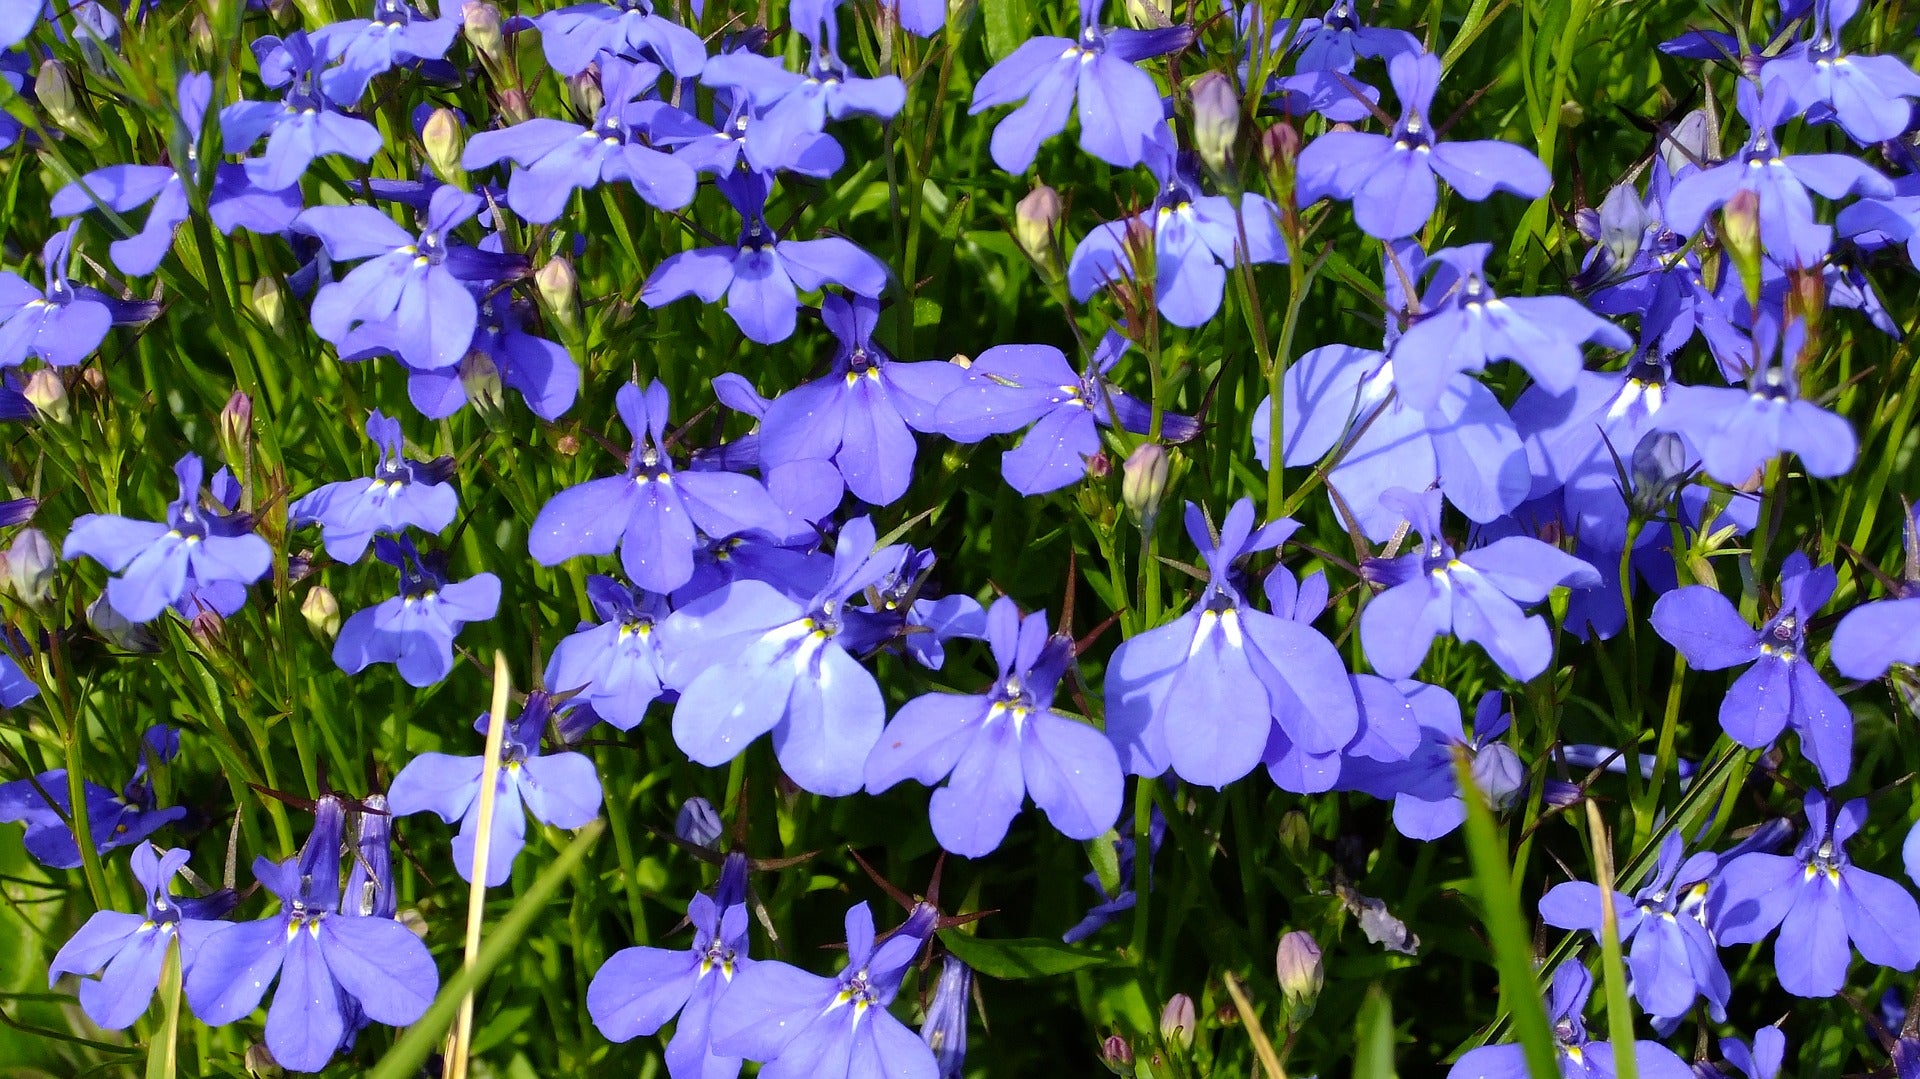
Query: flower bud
[1299, 967]
[31, 567]
[1117, 1055]
[269, 301]
[443, 141]
[322, 612]
[1279, 155]
[369, 892]
[260, 1063]
[557, 285]
[48, 395]
[1033, 223]
[1143, 482]
[53, 88]
[945, 1029]
[236, 428]
[1216, 121]
[1498, 771]
[1688, 142]
[116, 630]
[1177, 1022]
[480, 378]
[481, 23]
[1660, 465]
[1740, 235]
[584, 91]
[698, 822]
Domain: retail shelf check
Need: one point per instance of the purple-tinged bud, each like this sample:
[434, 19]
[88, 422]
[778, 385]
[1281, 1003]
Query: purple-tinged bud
[480, 378]
[322, 612]
[1143, 482]
[1906, 683]
[1299, 966]
[1177, 1022]
[1740, 236]
[17, 511]
[698, 822]
[1660, 466]
[558, 286]
[1498, 771]
[584, 91]
[945, 1030]
[235, 428]
[370, 891]
[732, 888]
[260, 1063]
[481, 24]
[31, 567]
[115, 629]
[1280, 156]
[1034, 220]
[1216, 121]
[415, 922]
[48, 395]
[443, 141]
[567, 445]
[1688, 143]
[1117, 1055]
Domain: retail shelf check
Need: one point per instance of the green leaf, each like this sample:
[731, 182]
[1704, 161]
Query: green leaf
[163, 1049]
[1373, 1038]
[1025, 957]
[1007, 23]
[1105, 857]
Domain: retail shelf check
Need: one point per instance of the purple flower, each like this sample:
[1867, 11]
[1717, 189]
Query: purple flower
[748, 659]
[1476, 595]
[1739, 429]
[413, 296]
[1781, 688]
[791, 109]
[1202, 693]
[1008, 387]
[613, 667]
[1124, 897]
[303, 126]
[1120, 107]
[126, 951]
[945, 1028]
[415, 629]
[862, 415]
[401, 493]
[722, 150]
[1764, 1059]
[637, 990]
[574, 36]
[1196, 239]
[1673, 958]
[761, 275]
[557, 157]
[652, 511]
[1390, 178]
[114, 820]
[1580, 1056]
[324, 959]
[63, 323]
[539, 370]
[1000, 746]
[1819, 900]
[1780, 182]
[397, 33]
[1874, 636]
[1427, 802]
[1865, 95]
[17, 20]
[897, 614]
[158, 563]
[831, 1028]
[561, 789]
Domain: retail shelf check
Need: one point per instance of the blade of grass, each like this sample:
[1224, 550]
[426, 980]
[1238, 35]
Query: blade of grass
[1614, 971]
[461, 1043]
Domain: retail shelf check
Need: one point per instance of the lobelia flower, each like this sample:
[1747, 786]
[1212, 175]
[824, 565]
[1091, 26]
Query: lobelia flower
[1819, 900]
[613, 667]
[807, 489]
[791, 109]
[575, 36]
[1120, 107]
[397, 33]
[127, 951]
[17, 20]
[1390, 178]
[1425, 790]
[63, 323]
[1781, 688]
[1008, 387]
[722, 150]
[638, 990]
[556, 157]
[1124, 897]
[159, 563]
[1672, 958]
[896, 613]
[1865, 95]
[561, 789]
[1763, 1060]
[748, 659]
[1203, 693]
[698, 823]
[1875, 636]
[945, 1028]
[541, 371]
[413, 296]
[16, 73]
[1327, 47]
[1780, 182]
[1580, 1056]
[650, 513]
[805, 1025]
[761, 274]
[402, 493]
[1475, 595]
[862, 415]
[325, 960]
[113, 820]
[415, 629]
[305, 125]
[1196, 239]
[996, 748]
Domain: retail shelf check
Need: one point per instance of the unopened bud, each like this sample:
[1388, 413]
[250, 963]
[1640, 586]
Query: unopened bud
[236, 429]
[698, 822]
[53, 88]
[117, 630]
[260, 1063]
[1660, 464]
[444, 142]
[481, 23]
[30, 567]
[1298, 965]
[1216, 121]
[1740, 235]
[269, 301]
[322, 612]
[1033, 223]
[1177, 1022]
[567, 445]
[1279, 155]
[48, 395]
[480, 378]
[1117, 1055]
[945, 1029]
[557, 283]
[200, 33]
[584, 91]
[1689, 142]
[1143, 482]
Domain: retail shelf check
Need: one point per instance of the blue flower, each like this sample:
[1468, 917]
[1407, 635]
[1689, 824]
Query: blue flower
[996, 748]
[1580, 1056]
[397, 33]
[1865, 95]
[1424, 788]
[613, 667]
[158, 563]
[415, 629]
[305, 125]
[575, 36]
[402, 493]
[897, 614]
[945, 1028]
[541, 371]
[62, 323]
[1874, 636]
[1124, 897]
[561, 789]
[792, 108]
